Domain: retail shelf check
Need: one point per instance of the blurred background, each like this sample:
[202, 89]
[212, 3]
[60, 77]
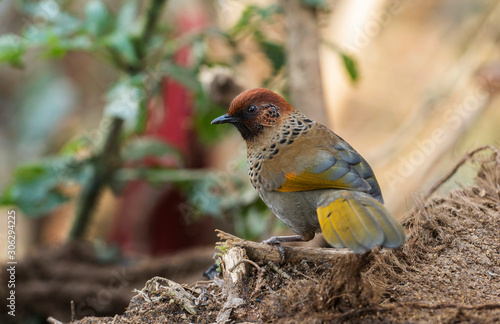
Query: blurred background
[105, 110]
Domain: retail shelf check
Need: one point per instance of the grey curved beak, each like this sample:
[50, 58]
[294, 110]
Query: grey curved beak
[223, 119]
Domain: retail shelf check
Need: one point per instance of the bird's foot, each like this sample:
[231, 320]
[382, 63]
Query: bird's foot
[280, 239]
[276, 240]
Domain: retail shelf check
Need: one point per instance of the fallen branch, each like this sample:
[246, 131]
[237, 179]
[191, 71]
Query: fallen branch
[260, 252]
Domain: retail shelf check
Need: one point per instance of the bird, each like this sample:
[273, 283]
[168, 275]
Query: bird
[309, 177]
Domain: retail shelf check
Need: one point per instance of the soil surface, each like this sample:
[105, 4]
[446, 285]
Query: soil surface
[447, 272]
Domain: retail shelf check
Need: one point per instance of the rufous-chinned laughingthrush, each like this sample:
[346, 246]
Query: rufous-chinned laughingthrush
[310, 177]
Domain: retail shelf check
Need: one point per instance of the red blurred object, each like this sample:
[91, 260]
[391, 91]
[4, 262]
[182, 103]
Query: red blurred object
[154, 221]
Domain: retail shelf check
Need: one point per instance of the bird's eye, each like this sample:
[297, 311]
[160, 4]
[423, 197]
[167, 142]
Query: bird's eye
[252, 108]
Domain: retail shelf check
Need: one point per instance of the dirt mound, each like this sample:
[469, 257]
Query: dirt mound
[447, 272]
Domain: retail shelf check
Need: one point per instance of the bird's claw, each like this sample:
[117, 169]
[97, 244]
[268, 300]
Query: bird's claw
[282, 254]
[275, 241]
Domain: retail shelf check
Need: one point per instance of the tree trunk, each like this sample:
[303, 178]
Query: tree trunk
[304, 74]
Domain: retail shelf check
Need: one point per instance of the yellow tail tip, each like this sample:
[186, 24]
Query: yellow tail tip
[357, 221]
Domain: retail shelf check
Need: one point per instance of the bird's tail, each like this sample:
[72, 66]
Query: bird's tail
[357, 221]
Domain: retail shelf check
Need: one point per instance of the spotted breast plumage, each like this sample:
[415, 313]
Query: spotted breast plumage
[312, 179]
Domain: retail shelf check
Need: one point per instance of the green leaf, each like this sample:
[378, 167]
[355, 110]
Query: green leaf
[122, 45]
[57, 46]
[204, 199]
[124, 100]
[75, 145]
[157, 176]
[314, 3]
[142, 118]
[71, 169]
[43, 103]
[78, 43]
[256, 224]
[348, 61]
[126, 17]
[44, 10]
[350, 66]
[12, 49]
[29, 173]
[186, 76]
[65, 24]
[274, 51]
[54, 45]
[199, 51]
[206, 111]
[97, 18]
[247, 23]
[206, 133]
[34, 189]
[143, 147]
[244, 21]
[267, 13]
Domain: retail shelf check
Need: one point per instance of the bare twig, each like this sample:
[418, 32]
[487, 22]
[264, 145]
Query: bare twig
[103, 167]
[153, 14]
[247, 261]
[457, 166]
[142, 294]
[73, 313]
[282, 273]
[200, 283]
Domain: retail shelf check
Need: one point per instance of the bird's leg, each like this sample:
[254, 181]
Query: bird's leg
[281, 239]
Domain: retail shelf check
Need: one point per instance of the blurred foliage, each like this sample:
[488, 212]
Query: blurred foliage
[43, 103]
[350, 66]
[11, 50]
[348, 62]
[251, 25]
[315, 3]
[141, 148]
[142, 47]
[226, 196]
[35, 189]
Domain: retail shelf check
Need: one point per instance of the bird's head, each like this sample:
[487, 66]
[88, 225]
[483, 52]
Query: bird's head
[254, 110]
